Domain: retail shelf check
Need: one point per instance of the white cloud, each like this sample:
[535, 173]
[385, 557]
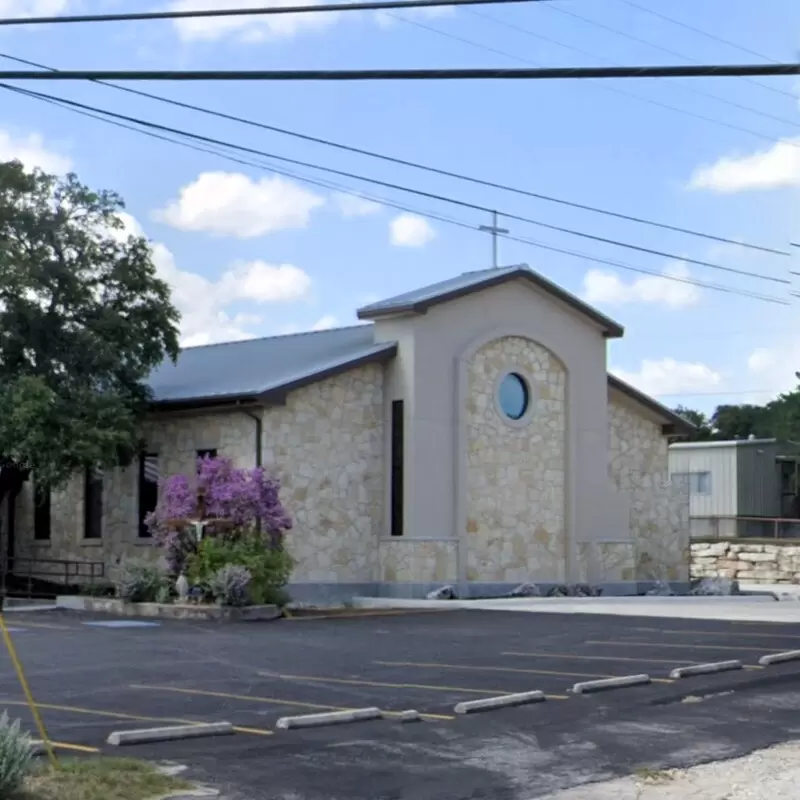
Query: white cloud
[386, 19]
[351, 205]
[248, 29]
[232, 204]
[325, 323]
[31, 150]
[203, 303]
[264, 283]
[773, 368]
[774, 168]
[409, 230]
[601, 286]
[32, 8]
[670, 377]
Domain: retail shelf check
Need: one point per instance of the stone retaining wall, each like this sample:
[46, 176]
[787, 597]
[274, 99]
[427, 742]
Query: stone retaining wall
[748, 562]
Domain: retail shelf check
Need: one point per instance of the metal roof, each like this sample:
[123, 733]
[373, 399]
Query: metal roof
[420, 300]
[704, 445]
[263, 369]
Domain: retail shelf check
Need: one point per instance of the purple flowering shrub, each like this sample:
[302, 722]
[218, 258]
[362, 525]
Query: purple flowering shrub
[237, 497]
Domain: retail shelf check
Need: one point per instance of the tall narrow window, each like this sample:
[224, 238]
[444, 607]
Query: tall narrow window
[148, 489]
[41, 513]
[209, 452]
[93, 504]
[397, 468]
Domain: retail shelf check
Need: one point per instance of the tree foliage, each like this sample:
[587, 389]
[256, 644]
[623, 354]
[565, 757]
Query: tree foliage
[779, 418]
[83, 321]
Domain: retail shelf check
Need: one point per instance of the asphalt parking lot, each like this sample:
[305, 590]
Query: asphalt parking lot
[92, 679]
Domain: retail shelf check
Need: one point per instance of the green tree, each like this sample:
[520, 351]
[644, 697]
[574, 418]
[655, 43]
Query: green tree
[83, 321]
[699, 420]
[741, 421]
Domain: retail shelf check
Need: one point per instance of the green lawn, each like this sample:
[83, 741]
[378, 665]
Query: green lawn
[99, 779]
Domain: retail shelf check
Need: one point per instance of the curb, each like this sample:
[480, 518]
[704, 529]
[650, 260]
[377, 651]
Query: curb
[705, 669]
[410, 716]
[329, 718]
[779, 658]
[175, 733]
[501, 701]
[610, 683]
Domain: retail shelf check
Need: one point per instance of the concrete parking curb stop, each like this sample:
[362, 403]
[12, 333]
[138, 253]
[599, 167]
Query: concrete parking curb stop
[329, 718]
[610, 683]
[175, 733]
[410, 716]
[779, 658]
[501, 701]
[705, 669]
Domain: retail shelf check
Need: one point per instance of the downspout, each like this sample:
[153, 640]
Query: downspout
[259, 431]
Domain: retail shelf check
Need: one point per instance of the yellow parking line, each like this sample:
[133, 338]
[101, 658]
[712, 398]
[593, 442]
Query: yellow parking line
[78, 748]
[434, 665]
[382, 684]
[689, 646]
[273, 700]
[120, 715]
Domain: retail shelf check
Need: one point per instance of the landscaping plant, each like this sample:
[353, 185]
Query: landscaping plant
[16, 752]
[229, 585]
[141, 581]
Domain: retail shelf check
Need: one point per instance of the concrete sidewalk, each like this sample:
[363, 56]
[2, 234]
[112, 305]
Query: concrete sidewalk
[745, 608]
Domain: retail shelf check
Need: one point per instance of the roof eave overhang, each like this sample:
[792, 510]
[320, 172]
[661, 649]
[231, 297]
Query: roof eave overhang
[673, 424]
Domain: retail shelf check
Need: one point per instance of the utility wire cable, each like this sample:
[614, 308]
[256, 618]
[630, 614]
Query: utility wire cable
[407, 189]
[691, 89]
[318, 8]
[632, 37]
[62, 103]
[689, 27]
[417, 165]
[466, 73]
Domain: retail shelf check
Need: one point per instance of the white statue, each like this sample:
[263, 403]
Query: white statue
[182, 588]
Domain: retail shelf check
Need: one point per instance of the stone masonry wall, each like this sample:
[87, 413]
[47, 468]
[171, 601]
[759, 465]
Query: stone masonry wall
[659, 509]
[516, 475]
[326, 446]
[410, 561]
[747, 562]
[176, 441]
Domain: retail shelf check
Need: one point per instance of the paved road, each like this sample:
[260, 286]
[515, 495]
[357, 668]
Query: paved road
[93, 679]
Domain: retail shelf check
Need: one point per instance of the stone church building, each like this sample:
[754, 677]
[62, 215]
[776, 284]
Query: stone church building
[469, 434]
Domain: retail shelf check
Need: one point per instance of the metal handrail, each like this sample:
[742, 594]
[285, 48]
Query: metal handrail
[66, 568]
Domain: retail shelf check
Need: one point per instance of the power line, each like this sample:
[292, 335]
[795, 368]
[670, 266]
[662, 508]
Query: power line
[417, 165]
[648, 43]
[67, 105]
[468, 73]
[716, 394]
[692, 90]
[319, 8]
[610, 88]
[689, 27]
[407, 189]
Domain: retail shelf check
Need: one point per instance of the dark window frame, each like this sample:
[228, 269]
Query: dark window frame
[42, 513]
[397, 469]
[148, 498]
[213, 452]
[93, 505]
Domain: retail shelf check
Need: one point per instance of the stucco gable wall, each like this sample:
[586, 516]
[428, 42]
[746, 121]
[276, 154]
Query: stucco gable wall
[659, 509]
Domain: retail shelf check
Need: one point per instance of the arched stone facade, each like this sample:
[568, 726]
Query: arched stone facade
[516, 472]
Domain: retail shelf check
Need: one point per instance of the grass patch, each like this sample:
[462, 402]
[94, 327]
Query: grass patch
[653, 775]
[99, 779]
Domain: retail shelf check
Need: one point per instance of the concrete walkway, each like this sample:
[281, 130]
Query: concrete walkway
[749, 608]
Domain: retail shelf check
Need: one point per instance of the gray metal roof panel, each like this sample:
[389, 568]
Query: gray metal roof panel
[420, 300]
[252, 367]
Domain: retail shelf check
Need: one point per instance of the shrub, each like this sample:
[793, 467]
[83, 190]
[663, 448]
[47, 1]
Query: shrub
[140, 581]
[228, 585]
[16, 752]
[269, 566]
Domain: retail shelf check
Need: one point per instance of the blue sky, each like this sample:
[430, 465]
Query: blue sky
[249, 253]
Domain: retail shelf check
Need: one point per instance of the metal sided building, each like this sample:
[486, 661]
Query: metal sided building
[743, 487]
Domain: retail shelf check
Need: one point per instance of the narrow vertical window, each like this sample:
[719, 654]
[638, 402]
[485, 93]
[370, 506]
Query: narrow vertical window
[397, 468]
[148, 489]
[209, 452]
[93, 504]
[41, 513]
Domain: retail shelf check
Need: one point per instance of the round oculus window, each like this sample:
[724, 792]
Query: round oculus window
[513, 396]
